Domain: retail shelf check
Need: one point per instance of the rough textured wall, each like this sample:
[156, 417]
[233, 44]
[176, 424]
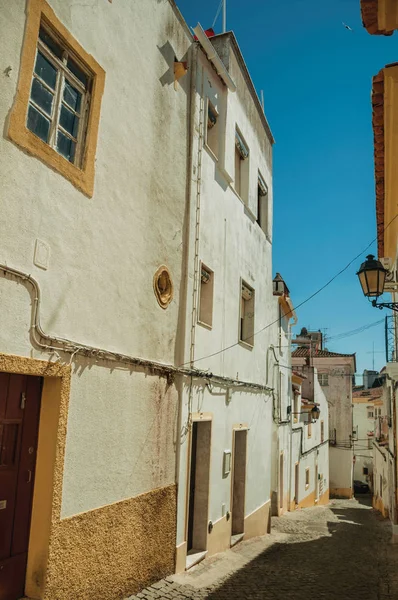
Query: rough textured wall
[114, 551]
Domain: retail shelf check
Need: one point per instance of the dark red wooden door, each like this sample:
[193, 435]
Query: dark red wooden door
[19, 423]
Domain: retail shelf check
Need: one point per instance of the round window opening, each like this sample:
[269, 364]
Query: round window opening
[163, 286]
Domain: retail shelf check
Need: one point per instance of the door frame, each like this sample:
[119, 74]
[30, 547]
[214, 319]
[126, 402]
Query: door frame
[237, 428]
[195, 418]
[47, 490]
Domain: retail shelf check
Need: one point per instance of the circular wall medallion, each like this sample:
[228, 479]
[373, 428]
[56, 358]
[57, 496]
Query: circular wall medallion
[163, 286]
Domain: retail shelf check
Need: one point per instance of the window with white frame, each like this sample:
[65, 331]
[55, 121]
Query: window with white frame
[370, 412]
[246, 333]
[323, 379]
[59, 98]
[262, 203]
[241, 179]
[212, 129]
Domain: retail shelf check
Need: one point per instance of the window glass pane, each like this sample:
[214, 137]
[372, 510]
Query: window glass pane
[66, 146]
[45, 70]
[69, 121]
[72, 97]
[41, 96]
[77, 72]
[50, 43]
[38, 124]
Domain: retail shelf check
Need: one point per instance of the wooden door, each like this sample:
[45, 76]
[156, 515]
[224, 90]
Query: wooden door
[281, 481]
[239, 482]
[19, 422]
[296, 482]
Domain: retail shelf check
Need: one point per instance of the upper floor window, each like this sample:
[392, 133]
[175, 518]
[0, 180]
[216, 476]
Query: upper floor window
[370, 412]
[262, 204]
[246, 333]
[206, 296]
[57, 106]
[323, 378]
[59, 98]
[322, 432]
[212, 129]
[241, 179]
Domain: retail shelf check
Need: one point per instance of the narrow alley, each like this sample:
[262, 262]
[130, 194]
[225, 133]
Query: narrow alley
[337, 552]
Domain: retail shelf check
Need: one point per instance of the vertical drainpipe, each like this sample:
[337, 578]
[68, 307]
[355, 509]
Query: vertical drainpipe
[190, 136]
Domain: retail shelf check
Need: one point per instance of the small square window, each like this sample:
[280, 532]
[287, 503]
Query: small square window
[206, 292]
[262, 204]
[246, 333]
[365, 470]
[323, 379]
[59, 98]
[55, 116]
[212, 130]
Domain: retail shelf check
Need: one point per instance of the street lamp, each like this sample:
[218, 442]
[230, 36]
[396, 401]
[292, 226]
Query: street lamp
[315, 413]
[372, 276]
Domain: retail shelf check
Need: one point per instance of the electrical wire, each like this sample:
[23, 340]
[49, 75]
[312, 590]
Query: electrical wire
[217, 13]
[318, 291]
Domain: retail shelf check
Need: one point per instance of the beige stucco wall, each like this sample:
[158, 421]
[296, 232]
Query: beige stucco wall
[117, 483]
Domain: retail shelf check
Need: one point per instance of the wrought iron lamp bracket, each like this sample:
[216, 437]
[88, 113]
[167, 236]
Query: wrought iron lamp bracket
[381, 305]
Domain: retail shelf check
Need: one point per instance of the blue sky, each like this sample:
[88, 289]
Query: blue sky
[316, 77]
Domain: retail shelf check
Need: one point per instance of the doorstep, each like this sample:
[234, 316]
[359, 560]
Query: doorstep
[235, 539]
[194, 557]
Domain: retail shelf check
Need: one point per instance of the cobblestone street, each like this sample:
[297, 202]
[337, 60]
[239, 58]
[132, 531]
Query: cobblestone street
[338, 552]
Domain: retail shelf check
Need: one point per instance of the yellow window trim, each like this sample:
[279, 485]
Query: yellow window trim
[82, 178]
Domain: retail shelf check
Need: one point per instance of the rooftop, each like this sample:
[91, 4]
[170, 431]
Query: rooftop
[370, 394]
[304, 352]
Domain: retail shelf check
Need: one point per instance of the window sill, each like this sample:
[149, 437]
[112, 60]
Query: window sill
[205, 325]
[239, 197]
[210, 152]
[246, 345]
[307, 485]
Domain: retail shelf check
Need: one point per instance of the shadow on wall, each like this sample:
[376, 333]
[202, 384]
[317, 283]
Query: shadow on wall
[331, 565]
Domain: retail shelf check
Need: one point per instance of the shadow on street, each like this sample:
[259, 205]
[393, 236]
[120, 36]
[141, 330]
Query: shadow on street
[342, 564]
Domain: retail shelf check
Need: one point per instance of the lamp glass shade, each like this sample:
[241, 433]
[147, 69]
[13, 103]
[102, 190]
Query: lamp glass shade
[372, 276]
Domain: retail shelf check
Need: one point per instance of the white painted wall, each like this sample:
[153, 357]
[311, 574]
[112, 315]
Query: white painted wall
[310, 452]
[362, 452]
[234, 247]
[105, 250]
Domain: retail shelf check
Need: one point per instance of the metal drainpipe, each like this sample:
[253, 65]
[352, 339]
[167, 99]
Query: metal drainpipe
[191, 129]
[197, 240]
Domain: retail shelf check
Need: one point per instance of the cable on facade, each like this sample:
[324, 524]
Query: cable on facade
[56, 344]
[301, 303]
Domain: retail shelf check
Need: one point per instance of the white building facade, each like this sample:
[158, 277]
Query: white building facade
[225, 447]
[93, 157]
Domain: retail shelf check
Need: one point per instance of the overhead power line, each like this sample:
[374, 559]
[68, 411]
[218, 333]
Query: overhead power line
[318, 291]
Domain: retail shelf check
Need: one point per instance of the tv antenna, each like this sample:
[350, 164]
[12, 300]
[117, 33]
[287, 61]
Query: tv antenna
[223, 6]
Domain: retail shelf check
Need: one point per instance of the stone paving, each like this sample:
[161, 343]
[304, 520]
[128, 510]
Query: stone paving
[338, 552]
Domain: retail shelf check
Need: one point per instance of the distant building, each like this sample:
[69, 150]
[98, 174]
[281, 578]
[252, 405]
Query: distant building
[300, 450]
[335, 372]
[367, 406]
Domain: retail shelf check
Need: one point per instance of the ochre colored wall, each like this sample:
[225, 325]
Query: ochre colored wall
[114, 551]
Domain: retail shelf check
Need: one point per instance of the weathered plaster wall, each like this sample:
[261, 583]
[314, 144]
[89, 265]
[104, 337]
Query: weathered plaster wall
[318, 458]
[341, 471]
[233, 246]
[120, 431]
[363, 425]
